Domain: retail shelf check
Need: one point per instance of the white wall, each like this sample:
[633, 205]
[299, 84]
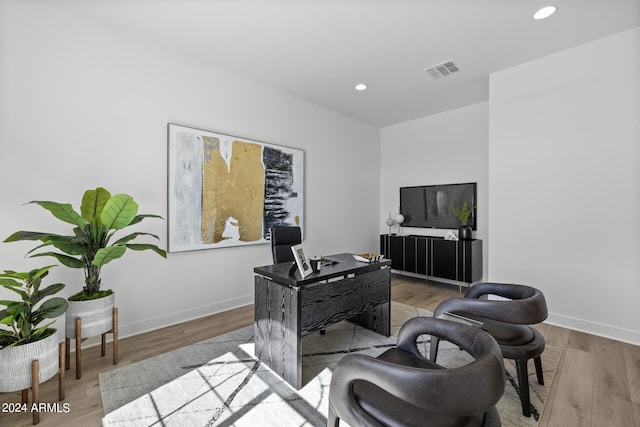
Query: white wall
[83, 105]
[445, 148]
[564, 169]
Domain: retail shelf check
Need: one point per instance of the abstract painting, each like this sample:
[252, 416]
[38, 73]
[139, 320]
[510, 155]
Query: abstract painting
[229, 191]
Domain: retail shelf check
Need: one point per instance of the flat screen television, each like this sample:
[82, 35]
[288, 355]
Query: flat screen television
[427, 206]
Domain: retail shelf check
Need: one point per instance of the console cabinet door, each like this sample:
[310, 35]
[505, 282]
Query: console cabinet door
[396, 251]
[444, 257]
[410, 250]
[384, 246]
[423, 266]
[470, 261]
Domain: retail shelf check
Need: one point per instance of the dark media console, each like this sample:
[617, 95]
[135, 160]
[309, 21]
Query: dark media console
[434, 256]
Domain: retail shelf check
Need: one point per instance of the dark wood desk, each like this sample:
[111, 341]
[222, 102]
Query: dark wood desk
[288, 307]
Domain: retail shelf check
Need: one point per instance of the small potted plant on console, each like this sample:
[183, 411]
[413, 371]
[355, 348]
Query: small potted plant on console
[463, 213]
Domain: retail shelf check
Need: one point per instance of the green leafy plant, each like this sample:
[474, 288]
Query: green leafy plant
[462, 212]
[90, 247]
[22, 316]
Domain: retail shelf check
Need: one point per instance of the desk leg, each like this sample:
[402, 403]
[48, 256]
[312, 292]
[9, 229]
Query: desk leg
[277, 334]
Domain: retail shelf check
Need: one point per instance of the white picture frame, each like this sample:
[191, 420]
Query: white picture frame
[301, 260]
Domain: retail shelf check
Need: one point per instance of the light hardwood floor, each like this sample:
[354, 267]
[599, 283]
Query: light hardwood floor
[597, 383]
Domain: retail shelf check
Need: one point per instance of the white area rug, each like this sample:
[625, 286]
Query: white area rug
[219, 382]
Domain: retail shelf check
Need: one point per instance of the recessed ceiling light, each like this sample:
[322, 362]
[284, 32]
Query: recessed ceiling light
[545, 12]
[361, 86]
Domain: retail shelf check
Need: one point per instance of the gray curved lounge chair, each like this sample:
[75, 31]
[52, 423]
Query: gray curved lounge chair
[403, 388]
[507, 321]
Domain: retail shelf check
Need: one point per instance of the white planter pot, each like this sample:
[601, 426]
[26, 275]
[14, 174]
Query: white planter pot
[96, 316]
[15, 363]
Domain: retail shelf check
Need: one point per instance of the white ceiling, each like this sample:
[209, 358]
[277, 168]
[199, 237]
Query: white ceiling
[319, 49]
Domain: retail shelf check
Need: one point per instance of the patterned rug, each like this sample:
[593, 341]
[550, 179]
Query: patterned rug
[219, 382]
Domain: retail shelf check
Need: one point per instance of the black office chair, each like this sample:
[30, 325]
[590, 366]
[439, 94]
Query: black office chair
[507, 321]
[282, 239]
[403, 388]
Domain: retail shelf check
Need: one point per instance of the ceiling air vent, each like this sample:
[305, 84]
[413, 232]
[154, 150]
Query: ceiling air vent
[442, 70]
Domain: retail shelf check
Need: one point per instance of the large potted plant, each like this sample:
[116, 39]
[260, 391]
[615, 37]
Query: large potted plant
[23, 339]
[90, 246]
[463, 213]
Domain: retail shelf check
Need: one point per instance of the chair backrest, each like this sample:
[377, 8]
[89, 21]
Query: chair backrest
[282, 238]
[465, 390]
[526, 304]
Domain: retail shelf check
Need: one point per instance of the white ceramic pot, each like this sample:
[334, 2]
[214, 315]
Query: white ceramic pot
[96, 315]
[15, 363]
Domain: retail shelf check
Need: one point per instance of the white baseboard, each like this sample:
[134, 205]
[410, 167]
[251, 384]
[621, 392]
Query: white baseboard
[131, 329]
[182, 316]
[607, 331]
[431, 278]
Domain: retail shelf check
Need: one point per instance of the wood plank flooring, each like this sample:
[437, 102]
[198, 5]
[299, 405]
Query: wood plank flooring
[597, 382]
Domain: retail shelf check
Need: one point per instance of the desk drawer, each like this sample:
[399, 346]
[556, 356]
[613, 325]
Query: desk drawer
[324, 304]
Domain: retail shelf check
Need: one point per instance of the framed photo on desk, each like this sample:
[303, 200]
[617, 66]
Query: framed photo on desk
[301, 260]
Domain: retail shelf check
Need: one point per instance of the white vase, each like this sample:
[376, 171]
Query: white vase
[15, 363]
[96, 317]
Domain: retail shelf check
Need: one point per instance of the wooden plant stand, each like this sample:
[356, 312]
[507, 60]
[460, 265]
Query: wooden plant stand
[79, 340]
[35, 385]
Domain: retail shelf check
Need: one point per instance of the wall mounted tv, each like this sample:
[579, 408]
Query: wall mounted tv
[427, 206]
